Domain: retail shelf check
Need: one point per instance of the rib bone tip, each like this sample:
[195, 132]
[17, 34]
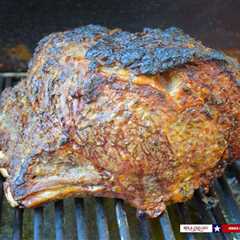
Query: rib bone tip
[9, 197]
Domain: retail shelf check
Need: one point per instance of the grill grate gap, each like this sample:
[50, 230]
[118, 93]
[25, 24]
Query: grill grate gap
[8, 82]
[1, 83]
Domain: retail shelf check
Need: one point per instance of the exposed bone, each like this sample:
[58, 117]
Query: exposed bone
[9, 197]
[2, 155]
[4, 172]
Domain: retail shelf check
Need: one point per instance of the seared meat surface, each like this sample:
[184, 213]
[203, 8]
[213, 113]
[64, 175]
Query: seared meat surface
[146, 117]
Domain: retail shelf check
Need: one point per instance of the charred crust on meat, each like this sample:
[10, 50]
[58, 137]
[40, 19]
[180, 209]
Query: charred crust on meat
[147, 52]
[152, 51]
[90, 88]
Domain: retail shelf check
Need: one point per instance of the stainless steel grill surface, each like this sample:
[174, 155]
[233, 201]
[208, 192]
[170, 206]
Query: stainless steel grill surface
[105, 219]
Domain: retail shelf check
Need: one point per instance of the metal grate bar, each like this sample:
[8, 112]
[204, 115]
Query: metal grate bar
[38, 223]
[17, 224]
[102, 226]
[122, 220]
[80, 219]
[166, 226]
[59, 220]
[13, 74]
[182, 210]
[145, 227]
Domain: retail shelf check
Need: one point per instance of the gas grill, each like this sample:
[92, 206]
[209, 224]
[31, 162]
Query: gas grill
[100, 218]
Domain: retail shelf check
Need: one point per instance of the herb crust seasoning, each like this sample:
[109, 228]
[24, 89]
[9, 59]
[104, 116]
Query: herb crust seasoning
[146, 117]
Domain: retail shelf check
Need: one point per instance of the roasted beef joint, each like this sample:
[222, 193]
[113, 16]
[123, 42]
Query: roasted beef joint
[146, 117]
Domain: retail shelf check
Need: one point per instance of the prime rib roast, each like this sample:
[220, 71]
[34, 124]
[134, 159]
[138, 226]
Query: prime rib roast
[146, 117]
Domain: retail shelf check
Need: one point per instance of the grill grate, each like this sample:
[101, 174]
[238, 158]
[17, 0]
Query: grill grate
[224, 208]
[38, 223]
[80, 219]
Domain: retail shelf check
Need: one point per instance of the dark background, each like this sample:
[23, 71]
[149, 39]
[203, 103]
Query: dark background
[24, 23]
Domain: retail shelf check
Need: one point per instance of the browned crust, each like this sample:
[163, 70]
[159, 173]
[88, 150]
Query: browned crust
[148, 139]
